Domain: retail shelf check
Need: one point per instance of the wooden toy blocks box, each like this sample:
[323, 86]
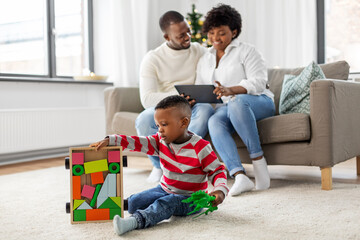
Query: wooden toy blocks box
[96, 184]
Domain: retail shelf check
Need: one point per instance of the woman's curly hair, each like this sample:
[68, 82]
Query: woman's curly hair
[225, 15]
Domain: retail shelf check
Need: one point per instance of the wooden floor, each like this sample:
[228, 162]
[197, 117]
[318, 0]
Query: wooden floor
[134, 162]
[33, 165]
[344, 172]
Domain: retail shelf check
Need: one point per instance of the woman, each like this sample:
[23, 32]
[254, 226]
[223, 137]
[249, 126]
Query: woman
[240, 74]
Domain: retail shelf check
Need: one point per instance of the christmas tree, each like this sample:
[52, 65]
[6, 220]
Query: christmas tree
[196, 24]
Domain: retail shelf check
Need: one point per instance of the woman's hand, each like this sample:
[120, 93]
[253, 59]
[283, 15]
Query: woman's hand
[222, 91]
[100, 144]
[219, 197]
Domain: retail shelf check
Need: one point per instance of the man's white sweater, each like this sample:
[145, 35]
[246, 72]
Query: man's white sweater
[163, 67]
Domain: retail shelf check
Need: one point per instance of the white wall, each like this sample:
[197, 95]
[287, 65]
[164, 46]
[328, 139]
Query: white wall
[49, 115]
[25, 95]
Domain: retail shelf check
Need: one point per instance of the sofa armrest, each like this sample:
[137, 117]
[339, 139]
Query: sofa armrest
[335, 121]
[120, 99]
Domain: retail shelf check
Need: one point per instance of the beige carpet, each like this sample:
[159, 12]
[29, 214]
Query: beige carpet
[32, 206]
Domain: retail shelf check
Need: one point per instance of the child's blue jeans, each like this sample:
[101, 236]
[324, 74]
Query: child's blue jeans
[154, 205]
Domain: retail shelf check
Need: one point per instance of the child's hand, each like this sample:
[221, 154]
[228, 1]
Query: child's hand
[219, 197]
[100, 144]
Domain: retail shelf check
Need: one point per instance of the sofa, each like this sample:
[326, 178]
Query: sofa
[329, 135]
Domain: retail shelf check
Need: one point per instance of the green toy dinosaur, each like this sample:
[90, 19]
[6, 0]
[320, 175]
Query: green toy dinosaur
[201, 200]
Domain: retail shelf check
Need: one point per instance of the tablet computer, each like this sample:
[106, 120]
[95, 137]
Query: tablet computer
[201, 93]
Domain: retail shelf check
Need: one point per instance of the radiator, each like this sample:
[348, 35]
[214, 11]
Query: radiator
[39, 129]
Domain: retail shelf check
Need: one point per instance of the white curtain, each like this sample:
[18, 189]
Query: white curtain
[120, 39]
[283, 31]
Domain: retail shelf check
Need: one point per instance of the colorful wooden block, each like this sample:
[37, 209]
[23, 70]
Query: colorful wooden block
[114, 156]
[113, 212]
[109, 203]
[118, 185]
[97, 177]
[96, 166]
[77, 203]
[116, 200]
[88, 191]
[84, 205]
[113, 167]
[100, 200]
[97, 214]
[108, 189]
[112, 185]
[90, 176]
[78, 170]
[76, 181]
[93, 200]
[79, 215]
[77, 158]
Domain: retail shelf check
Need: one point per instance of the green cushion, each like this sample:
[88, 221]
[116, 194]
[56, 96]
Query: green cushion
[295, 93]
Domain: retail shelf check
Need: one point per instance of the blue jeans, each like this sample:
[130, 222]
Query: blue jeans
[239, 114]
[154, 205]
[145, 124]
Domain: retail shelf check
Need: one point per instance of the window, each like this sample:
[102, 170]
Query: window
[70, 40]
[23, 48]
[45, 38]
[342, 32]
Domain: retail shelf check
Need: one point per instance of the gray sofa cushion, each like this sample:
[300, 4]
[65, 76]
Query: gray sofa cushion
[285, 128]
[293, 127]
[281, 128]
[124, 123]
[337, 70]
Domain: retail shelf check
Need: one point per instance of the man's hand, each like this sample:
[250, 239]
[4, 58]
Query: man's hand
[191, 100]
[219, 197]
[221, 91]
[100, 144]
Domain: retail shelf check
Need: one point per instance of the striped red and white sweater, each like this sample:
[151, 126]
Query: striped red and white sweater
[186, 167]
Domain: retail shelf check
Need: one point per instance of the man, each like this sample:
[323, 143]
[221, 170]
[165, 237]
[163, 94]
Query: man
[172, 63]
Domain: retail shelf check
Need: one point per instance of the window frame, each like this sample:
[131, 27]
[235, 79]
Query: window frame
[50, 42]
[320, 15]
